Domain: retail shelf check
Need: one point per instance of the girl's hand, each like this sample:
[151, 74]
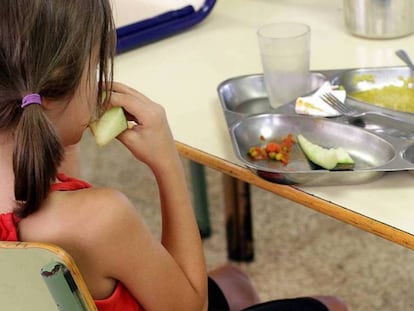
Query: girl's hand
[150, 140]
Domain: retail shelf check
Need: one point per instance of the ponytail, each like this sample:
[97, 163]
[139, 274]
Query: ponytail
[45, 47]
[36, 157]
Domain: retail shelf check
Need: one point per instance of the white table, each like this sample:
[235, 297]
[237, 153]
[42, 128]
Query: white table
[183, 72]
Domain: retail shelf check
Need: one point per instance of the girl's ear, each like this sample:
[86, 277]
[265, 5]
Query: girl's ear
[53, 107]
[48, 104]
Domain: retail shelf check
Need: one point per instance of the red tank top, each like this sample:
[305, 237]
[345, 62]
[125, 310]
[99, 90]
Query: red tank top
[121, 299]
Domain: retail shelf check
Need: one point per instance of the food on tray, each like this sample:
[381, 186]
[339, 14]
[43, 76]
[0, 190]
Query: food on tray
[273, 150]
[111, 124]
[330, 159]
[314, 104]
[363, 77]
[394, 97]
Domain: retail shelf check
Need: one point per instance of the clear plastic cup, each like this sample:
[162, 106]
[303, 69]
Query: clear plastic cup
[285, 53]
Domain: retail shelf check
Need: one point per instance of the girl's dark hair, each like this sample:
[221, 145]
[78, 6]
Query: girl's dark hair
[44, 48]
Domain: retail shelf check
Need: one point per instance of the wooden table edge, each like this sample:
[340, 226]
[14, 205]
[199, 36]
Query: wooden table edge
[299, 196]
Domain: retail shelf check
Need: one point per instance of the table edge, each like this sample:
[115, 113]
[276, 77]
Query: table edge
[299, 196]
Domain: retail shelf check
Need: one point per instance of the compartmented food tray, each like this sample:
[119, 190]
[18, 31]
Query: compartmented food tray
[377, 143]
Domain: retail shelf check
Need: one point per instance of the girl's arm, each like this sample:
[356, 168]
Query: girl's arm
[151, 142]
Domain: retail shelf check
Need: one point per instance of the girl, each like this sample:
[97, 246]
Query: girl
[51, 52]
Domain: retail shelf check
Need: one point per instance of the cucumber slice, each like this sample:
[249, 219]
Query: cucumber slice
[111, 124]
[330, 159]
[343, 156]
[345, 162]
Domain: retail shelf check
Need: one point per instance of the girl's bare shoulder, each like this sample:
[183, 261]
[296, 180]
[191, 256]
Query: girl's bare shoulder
[81, 216]
[90, 224]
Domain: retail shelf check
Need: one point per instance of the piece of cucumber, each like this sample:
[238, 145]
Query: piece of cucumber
[111, 124]
[330, 159]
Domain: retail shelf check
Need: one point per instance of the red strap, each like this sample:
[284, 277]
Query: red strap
[69, 183]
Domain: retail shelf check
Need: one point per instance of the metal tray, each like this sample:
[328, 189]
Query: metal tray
[377, 144]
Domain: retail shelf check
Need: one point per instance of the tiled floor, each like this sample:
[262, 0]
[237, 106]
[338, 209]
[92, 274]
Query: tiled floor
[297, 251]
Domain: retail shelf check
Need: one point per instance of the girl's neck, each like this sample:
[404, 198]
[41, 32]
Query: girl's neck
[6, 173]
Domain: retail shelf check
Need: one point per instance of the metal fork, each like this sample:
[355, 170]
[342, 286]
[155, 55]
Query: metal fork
[339, 106]
[400, 128]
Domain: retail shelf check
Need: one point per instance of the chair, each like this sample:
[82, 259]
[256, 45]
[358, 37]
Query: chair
[40, 276]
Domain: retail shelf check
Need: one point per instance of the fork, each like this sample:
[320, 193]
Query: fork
[407, 60]
[341, 107]
[402, 129]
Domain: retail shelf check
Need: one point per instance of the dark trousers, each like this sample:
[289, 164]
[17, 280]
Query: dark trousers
[217, 302]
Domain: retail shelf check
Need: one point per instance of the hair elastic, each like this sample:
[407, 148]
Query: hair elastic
[30, 99]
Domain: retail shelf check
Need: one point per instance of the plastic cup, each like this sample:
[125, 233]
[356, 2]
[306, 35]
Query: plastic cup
[285, 52]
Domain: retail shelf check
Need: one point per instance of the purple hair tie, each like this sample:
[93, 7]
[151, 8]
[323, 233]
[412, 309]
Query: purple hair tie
[30, 99]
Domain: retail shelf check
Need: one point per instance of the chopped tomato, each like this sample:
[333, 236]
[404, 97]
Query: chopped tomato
[285, 159]
[273, 150]
[272, 147]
